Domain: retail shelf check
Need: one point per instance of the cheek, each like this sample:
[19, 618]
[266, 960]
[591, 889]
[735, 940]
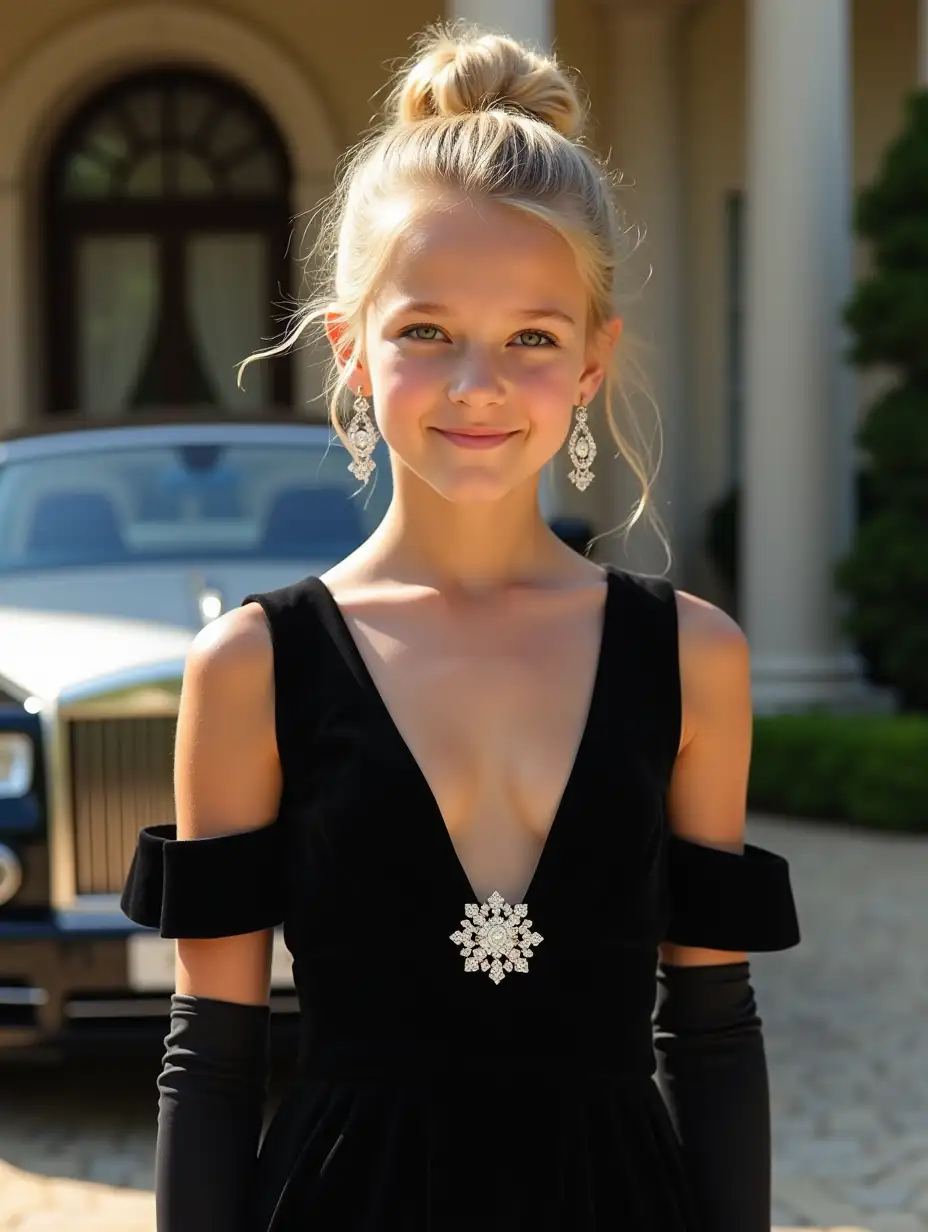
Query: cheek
[548, 391]
[405, 380]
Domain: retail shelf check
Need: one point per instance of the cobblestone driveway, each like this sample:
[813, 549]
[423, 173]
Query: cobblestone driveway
[844, 1021]
[845, 1018]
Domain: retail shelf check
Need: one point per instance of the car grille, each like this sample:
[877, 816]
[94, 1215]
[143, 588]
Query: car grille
[121, 780]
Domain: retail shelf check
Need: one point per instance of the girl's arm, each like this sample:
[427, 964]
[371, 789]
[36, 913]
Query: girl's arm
[711, 1060]
[215, 883]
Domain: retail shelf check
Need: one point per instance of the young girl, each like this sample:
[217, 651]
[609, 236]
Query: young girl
[494, 792]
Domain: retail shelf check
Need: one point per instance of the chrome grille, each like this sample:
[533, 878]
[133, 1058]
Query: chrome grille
[121, 780]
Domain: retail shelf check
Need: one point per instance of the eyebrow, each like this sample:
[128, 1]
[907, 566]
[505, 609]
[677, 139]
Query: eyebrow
[526, 314]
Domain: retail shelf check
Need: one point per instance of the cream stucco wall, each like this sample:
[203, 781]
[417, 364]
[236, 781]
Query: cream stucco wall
[582, 42]
[343, 51]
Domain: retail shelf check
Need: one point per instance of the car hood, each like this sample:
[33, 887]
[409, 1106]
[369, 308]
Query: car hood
[43, 653]
[59, 630]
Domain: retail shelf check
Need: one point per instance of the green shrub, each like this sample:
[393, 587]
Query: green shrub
[871, 770]
[885, 576]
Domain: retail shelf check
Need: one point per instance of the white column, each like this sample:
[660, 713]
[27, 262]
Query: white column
[798, 426]
[530, 21]
[647, 103]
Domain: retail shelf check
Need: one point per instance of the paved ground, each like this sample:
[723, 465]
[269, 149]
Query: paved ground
[845, 1018]
[844, 1021]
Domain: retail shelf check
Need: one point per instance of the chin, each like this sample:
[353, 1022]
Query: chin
[474, 489]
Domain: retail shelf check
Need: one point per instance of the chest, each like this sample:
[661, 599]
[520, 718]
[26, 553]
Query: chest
[492, 704]
[462, 752]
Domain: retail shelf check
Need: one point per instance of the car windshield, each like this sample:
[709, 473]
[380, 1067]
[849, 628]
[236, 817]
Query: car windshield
[184, 502]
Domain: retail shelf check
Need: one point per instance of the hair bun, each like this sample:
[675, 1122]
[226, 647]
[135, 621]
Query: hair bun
[457, 74]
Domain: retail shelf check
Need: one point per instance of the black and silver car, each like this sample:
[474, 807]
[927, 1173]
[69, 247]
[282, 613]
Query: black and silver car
[118, 542]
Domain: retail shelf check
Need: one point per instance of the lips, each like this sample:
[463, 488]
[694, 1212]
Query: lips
[475, 438]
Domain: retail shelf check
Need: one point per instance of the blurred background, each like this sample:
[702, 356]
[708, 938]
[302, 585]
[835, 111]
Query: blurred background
[161, 165]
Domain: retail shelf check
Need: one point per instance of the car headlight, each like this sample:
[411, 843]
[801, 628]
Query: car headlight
[15, 764]
[11, 874]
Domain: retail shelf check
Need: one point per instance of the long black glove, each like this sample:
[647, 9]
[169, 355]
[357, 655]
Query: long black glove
[212, 1090]
[712, 1070]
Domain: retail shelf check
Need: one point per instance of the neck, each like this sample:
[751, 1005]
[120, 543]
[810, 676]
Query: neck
[470, 548]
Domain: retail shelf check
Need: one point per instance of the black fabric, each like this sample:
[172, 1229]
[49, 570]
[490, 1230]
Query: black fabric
[206, 887]
[713, 1074]
[429, 1099]
[212, 1090]
[725, 901]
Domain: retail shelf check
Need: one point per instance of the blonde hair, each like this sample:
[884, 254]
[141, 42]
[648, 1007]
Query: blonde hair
[474, 115]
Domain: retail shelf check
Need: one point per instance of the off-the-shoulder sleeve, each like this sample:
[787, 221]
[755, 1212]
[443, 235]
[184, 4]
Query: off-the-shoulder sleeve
[206, 887]
[721, 900]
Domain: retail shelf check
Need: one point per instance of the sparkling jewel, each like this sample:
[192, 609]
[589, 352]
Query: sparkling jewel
[499, 932]
[362, 437]
[582, 450]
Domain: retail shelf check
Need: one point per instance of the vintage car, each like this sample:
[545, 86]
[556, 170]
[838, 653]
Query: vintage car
[118, 542]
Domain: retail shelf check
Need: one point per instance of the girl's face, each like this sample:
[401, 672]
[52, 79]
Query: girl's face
[476, 350]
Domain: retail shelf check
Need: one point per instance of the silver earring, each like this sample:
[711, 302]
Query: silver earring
[582, 450]
[362, 437]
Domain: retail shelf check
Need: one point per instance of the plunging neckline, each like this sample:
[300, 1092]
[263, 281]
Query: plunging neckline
[366, 678]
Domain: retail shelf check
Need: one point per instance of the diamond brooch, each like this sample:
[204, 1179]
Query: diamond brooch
[496, 938]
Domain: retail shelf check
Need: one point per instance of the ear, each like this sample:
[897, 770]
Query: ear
[346, 356]
[598, 356]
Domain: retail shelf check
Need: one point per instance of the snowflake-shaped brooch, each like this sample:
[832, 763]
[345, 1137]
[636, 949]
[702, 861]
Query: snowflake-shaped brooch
[496, 938]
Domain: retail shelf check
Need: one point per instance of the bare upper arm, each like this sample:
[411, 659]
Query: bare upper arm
[227, 778]
[707, 799]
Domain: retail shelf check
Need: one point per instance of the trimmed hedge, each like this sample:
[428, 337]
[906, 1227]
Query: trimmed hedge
[870, 770]
[885, 575]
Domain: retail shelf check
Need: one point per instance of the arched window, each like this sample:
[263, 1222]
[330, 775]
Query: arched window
[167, 225]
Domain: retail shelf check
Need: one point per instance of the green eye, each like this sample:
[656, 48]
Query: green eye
[535, 338]
[423, 333]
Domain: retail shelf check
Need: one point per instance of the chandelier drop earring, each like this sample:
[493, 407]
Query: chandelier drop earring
[582, 450]
[362, 437]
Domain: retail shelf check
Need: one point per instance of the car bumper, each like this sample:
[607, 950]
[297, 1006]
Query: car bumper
[62, 993]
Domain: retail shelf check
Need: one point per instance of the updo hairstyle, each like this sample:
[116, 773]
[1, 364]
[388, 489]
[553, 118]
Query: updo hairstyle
[479, 116]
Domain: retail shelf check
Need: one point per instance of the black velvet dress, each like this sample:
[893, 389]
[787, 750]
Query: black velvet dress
[432, 1094]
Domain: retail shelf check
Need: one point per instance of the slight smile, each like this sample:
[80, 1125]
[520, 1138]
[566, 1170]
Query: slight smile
[475, 438]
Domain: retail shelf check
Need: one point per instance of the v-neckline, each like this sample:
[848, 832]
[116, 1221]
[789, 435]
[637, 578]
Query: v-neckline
[366, 679]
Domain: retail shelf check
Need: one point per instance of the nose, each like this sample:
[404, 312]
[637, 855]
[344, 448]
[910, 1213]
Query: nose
[476, 380]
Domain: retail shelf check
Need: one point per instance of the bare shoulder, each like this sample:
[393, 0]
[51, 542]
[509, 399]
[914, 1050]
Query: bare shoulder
[705, 626]
[714, 661]
[234, 646]
[709, 638]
